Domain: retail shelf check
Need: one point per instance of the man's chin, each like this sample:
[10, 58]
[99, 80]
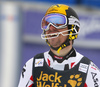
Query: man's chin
[54, 46]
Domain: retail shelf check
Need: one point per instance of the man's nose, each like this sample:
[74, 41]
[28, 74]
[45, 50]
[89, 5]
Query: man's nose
[52, 28]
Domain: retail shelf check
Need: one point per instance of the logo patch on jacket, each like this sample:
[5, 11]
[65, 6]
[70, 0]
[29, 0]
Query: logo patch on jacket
[55, 80]
[39, 62]
[83, 67]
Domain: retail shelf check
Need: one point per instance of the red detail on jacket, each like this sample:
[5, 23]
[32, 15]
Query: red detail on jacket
[85, 85]
[57, 57]
[48, 62]
[31, 85]
[72, 64]
[93, 68]
[32, 78]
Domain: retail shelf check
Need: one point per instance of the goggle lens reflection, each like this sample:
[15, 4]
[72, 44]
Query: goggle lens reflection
[57, 20]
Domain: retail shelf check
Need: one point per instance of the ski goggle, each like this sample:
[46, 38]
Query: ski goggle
[57, 20]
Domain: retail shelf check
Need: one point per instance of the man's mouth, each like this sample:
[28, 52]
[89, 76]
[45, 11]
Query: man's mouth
[53, 35]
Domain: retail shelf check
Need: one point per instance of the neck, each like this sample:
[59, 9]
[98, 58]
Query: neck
[63, 52]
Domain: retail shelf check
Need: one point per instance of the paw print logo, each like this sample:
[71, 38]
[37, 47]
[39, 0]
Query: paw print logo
[75, 80]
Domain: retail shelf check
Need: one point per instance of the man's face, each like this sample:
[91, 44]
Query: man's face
[57, 41]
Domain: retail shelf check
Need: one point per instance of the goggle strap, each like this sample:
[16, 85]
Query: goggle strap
[74, 21]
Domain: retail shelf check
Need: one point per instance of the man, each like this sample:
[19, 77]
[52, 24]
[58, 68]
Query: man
[62, 66]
